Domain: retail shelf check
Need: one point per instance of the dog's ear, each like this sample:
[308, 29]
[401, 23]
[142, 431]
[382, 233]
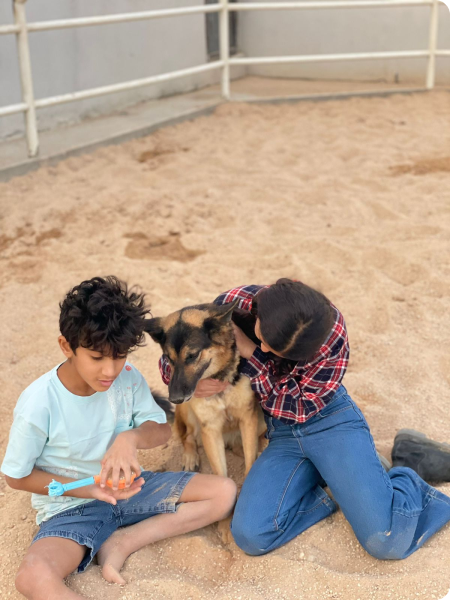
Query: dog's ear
[155, 330]
[225, 311]
[220, 315]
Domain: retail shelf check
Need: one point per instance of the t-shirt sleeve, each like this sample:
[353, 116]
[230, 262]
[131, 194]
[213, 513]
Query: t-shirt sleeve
[26, 442]
[145, 407]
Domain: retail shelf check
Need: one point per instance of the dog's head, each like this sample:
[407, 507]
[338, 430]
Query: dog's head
[199, 343]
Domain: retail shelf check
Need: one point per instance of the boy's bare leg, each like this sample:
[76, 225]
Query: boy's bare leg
[206, 498]
[44, 567]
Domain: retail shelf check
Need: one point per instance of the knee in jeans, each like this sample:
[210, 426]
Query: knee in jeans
[380, 545]
[249, 539]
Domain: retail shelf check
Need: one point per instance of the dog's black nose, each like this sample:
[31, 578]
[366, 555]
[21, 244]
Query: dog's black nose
[180, 400]
[177, 400]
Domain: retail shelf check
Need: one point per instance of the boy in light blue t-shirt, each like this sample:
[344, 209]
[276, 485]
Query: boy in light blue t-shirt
[89, 415]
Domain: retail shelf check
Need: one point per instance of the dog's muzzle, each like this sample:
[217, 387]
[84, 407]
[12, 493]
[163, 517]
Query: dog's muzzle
[180, 400]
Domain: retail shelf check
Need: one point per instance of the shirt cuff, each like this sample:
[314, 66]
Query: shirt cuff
[256, 364]
[15, 474]
[154, 418]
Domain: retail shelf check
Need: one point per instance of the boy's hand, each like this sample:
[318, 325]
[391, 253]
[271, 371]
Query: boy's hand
[210, 387]
[111, 496]
[122, 456]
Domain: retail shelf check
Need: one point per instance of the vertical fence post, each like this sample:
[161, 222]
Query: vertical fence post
[25, 77]
[434, 21]
[225, 48]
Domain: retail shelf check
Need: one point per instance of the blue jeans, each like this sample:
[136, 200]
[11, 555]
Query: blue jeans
[92, 523]
[392, 514]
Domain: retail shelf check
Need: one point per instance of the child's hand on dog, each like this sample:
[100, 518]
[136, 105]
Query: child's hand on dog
[121, 457]
[244, 344]
[210, 387]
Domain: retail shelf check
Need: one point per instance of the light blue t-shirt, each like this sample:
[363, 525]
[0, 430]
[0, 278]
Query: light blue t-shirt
[64, 434]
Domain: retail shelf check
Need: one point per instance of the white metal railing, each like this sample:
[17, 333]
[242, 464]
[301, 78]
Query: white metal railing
[29, 104]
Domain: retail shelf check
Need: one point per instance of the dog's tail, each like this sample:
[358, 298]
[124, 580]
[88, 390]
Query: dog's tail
[167, 407]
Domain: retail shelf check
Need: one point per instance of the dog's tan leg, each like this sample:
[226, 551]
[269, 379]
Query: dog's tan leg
[262, 443]
[191, 458]
[249, 433]
[187, 428]
[214, 446]
[223, 528]
[237, 448]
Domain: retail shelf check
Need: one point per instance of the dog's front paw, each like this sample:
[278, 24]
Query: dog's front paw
[191, 462]
[224, 531]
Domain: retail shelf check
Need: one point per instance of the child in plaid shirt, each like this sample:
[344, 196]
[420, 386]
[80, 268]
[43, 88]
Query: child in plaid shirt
[296, 357]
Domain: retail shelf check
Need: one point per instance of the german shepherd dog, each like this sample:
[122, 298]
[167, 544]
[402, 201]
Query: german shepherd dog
[199, 344]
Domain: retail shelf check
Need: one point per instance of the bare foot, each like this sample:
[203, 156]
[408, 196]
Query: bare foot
[111, 557]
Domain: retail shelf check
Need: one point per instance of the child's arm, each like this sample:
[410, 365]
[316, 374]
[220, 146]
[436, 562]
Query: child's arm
[122, 456]
[37, 481]
[150, 435]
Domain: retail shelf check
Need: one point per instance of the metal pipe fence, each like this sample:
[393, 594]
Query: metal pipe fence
[29, 104]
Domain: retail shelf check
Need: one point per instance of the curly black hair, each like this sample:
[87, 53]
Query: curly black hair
[102, 314]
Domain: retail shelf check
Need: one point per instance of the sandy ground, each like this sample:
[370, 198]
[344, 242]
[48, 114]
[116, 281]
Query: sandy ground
[351, 197]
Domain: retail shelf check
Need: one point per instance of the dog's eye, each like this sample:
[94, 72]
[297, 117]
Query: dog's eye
[191, 357]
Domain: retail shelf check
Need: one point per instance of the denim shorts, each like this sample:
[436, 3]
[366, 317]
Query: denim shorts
[91, 524]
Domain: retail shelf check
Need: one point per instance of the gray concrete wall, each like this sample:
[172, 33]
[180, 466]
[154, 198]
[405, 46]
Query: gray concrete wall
[289, 32]
[75, 59]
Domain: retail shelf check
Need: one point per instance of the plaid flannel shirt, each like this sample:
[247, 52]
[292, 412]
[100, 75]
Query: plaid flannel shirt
[296, 396]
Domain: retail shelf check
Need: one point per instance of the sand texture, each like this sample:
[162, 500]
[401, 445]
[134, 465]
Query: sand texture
[352, 197]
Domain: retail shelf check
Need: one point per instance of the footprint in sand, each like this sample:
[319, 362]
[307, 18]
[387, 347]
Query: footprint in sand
[424, 166]
[159, 155]
[24, 270]
[395, 267]
[51, 234]
[381, 211]
[169, 247]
